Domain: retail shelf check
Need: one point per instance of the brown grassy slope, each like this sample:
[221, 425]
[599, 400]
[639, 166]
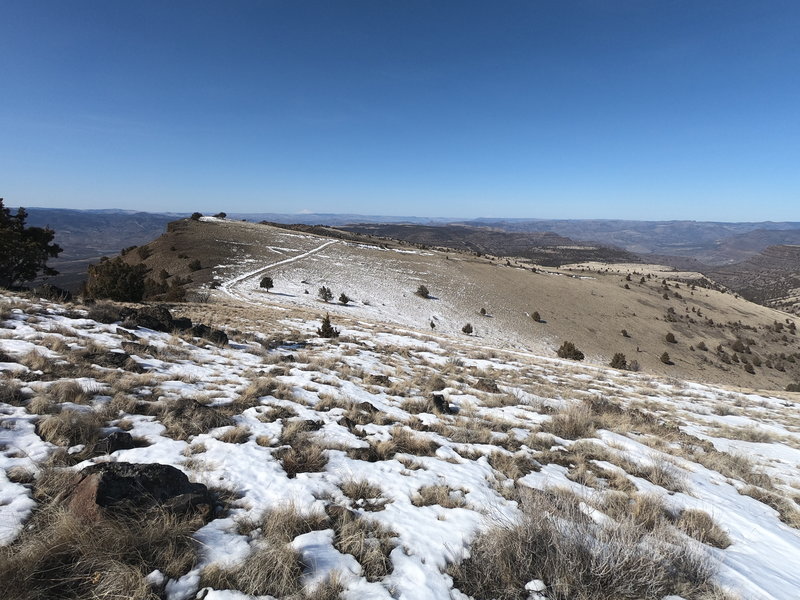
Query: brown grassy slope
[588, 307]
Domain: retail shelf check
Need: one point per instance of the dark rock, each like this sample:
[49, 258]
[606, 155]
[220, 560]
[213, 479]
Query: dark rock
[182, 323]
[111, 360]
[129, 488]
[157, 318]
[215, 336]
[441, 405]
[119, 440]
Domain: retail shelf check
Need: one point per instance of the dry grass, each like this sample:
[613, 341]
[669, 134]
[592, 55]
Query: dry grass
[71, 428]
[575, 422]
[186, 417]
[407, 442]
[59, 556]
[748, 433]
[256, 390]
[787, 510]
[441, 495]
[273, 413]
[11, 392]
[701, 526]
[69, 390]
[235, 435]
[513, 466]
[364, 495]
[368, 541]
[36, 361]
[305, 456]
[273, 567]
[578, 558]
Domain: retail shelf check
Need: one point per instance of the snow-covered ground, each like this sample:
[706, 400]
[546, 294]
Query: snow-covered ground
[395, 374]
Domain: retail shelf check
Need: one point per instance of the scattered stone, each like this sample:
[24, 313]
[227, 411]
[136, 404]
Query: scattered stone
[442, 405]
[119, 440]
[128, 487]
[215, 336]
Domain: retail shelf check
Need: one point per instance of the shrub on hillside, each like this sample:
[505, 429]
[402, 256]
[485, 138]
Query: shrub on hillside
[344, 298]
[619, 361]
[793, 387]
[423, 292]
[325, 294]
[665, 359]
[670, 337]
[196, 216]
[536, 317]
[195, 265]
[266, 283]
[568, 350]
[117, 280]
[326, 330]
[467, 328]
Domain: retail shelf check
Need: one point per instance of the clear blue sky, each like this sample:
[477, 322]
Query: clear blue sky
[638, 109]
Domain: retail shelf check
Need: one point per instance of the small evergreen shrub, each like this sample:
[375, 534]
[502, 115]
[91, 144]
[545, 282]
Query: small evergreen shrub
[195, 265]
[568, 350]
[325, 294]
[670, 337]
[619, 361]
[266, 283]
[326, 330]
[467, 328]
[423, 292]
[536, 317]
[665, 359]
[344, 298]
[196, 216]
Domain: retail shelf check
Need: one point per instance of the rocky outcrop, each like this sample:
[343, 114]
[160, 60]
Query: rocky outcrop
[132, 489]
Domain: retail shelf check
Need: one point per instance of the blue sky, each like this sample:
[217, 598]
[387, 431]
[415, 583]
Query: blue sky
[588, 109]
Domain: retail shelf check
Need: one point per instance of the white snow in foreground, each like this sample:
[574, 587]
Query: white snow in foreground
[762, 563]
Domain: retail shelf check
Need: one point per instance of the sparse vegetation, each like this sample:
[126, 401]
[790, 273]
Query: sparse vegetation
[325, 294]
[326, 330]
[266, 283]
[423, 292]
[568, 350]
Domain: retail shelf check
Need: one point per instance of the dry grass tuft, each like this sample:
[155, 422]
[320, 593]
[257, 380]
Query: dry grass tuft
[576, 422]
[369, 542]
[513, 466]
[439, 494]
[701, 526]
[407, 442]
[273, 567]
[787, 510]
[578, 558]
[11, 392]
[59, 556]
[71, 428]
[186, 417]
[68, 390]
[364, 495]
[235, 435]
[305, 456]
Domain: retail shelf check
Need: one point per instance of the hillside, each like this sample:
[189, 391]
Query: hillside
[542, 247]
[771, 277]
[718, 337]
[331, 469]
